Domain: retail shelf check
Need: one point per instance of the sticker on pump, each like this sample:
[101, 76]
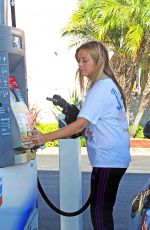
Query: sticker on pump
[23, 118]
[21, 112]
[15, 88]
[12, 97]
[12, 82]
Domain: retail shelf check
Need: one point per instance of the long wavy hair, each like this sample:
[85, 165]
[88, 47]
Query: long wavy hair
[100, 56]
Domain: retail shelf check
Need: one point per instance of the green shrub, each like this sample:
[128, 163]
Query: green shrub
[139, 131]
[83, 142]
[50, 127]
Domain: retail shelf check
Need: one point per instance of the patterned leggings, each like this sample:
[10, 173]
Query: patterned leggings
[104, 186]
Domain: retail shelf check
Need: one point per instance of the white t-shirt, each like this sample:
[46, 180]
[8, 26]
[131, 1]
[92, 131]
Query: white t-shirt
[108, 140]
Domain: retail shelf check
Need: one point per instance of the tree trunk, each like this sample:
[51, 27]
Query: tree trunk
[143, 105]
[145, 86]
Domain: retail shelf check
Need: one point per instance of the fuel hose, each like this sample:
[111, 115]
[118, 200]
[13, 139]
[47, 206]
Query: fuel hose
[61, 212]
[70, 112]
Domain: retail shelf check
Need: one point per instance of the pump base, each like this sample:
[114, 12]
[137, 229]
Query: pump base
[19, 197]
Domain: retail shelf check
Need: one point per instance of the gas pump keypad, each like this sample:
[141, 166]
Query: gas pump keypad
[3, 64]
[4, 92]
[3, 58]
[3, 70]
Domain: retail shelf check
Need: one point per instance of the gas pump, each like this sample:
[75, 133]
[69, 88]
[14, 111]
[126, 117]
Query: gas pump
[18, 172]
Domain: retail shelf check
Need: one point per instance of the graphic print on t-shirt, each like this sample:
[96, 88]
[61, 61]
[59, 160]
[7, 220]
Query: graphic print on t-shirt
[117, 95]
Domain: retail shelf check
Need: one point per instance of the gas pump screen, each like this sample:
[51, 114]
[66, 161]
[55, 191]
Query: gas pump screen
[16, 41]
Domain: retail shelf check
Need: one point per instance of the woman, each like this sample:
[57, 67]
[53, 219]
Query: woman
[104, 120]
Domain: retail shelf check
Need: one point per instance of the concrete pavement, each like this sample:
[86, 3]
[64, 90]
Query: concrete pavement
[48, 172]
[55, 150]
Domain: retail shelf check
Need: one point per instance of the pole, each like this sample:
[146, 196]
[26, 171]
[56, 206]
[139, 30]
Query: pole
[70, 182]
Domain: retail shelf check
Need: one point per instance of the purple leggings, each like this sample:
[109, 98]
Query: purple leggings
[104, 186]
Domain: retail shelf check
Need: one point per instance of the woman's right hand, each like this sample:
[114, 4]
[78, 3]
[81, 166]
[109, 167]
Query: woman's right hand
[38, 138]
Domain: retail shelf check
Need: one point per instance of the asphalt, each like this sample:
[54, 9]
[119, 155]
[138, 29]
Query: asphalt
[133, 181]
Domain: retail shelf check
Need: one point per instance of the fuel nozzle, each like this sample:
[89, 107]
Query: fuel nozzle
[69, 110]
[59, 101]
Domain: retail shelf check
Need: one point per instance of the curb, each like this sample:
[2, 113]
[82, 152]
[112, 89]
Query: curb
[140, 151]
[55, 151]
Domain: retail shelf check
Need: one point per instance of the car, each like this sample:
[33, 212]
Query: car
[146, 130]
[140, 208]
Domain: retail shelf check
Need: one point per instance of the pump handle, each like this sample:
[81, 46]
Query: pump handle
[69, 110]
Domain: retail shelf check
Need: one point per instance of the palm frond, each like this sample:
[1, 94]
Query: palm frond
[133, 39]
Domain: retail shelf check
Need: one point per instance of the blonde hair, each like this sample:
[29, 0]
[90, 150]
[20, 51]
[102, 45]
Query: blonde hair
[100, 56]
